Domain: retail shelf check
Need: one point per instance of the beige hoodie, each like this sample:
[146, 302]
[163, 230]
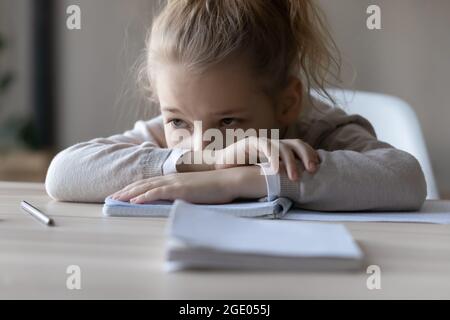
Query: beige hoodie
[357, 171]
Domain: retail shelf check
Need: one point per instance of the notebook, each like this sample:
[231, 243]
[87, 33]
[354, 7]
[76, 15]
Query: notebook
[262, 208]
[202, 238]
[433, 211]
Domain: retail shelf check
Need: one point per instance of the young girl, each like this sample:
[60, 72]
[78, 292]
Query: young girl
[242, 64]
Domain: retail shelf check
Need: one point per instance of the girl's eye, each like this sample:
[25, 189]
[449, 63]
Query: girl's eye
[177, 123]
[228, 121]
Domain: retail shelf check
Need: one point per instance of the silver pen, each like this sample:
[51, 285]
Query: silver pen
[36, 213]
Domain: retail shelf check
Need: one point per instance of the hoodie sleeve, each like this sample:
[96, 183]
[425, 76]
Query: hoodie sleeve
[90, 171]
[357, 171]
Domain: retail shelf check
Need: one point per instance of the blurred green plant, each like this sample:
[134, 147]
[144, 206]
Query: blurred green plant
[15, 131]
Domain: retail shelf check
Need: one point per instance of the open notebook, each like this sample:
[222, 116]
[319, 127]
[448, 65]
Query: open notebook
[201, 238]
[264, 209]
[437, 212]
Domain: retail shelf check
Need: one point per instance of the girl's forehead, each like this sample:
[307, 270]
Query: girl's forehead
[225, 82]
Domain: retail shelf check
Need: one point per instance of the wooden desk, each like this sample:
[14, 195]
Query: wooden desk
[123, 258]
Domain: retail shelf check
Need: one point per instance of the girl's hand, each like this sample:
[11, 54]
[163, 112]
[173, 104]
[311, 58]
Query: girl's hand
[287, 150]
[212, 187]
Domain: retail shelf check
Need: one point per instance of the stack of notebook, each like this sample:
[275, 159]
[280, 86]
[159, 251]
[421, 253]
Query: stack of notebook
[203, 238]
[222, 236]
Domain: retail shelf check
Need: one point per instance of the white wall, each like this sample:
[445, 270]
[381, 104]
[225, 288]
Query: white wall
[409, 58]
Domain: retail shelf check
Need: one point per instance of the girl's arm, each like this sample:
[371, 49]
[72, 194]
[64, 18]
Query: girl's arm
[89, 171]
[367, 175]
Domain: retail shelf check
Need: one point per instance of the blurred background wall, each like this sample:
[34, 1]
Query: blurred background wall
[95, 94]
[15, 25]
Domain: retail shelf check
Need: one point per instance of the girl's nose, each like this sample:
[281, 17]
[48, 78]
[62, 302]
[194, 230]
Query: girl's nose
[199, 141]
[208, 136]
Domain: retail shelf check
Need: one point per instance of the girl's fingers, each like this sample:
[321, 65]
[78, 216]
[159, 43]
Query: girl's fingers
[127, 188]
[160, 193]
[265, 150]
[122, 195]
[315, 156]
[138, 190]
[307, 154]
[288, 158]
[273, 154]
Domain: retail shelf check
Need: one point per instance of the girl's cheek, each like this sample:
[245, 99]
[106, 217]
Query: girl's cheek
[177, 139]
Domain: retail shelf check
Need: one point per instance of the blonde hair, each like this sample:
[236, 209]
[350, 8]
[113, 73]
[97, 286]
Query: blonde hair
[279, 37]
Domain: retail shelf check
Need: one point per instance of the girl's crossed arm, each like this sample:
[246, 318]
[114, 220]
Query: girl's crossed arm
[90, 171]
[358, 172]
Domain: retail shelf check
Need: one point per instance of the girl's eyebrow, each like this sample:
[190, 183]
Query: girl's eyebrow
[231, 112]
[170, 109]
